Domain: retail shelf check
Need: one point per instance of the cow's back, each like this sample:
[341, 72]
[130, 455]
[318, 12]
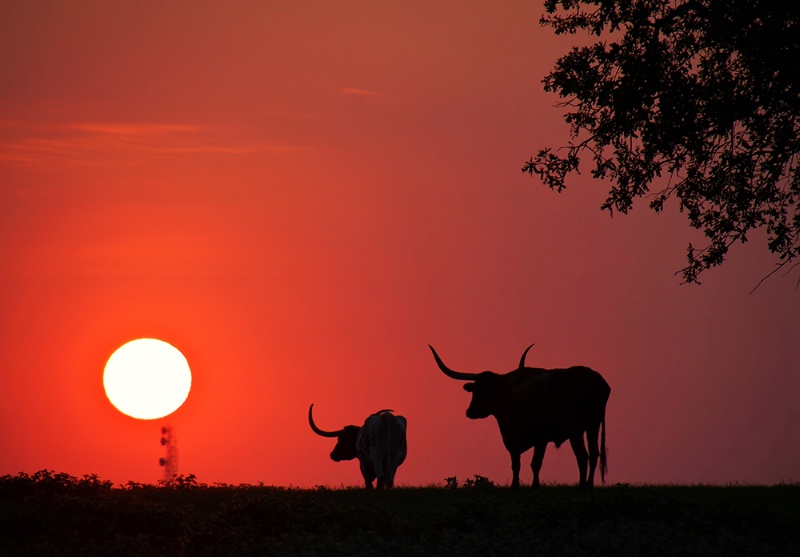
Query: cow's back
[382, 441]
[552, 404]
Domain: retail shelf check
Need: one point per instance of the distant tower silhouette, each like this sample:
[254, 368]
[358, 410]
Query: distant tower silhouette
[170, 461]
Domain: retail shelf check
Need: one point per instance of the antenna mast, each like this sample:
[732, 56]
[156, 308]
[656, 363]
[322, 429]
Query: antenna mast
[170, 461]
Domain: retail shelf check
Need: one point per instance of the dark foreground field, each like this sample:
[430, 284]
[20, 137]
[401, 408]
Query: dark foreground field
[57, 514]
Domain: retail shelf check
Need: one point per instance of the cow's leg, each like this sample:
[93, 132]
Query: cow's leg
[391, 468]
[536, 463]
[515, 459]
[581, 456]
[592, 435]
[383, 467]
[368, 471]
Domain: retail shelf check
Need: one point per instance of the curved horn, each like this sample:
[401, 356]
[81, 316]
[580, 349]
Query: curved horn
[460, 375]
[522, 360]
[319, 431]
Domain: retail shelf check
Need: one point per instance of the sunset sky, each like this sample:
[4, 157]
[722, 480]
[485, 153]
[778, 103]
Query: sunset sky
[301, 196]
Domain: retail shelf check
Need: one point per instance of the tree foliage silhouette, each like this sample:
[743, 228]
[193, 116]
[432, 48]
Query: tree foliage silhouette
[692, 100]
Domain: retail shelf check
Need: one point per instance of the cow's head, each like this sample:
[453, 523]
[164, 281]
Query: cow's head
[484, 395]
[483, 386]
[345, 448]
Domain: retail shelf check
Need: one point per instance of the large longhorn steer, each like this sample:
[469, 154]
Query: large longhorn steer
[380, 445]
[535, 406]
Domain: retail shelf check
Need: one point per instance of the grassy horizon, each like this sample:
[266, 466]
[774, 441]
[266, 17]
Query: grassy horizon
[59, 514]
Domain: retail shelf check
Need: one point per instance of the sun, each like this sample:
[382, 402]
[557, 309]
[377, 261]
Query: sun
[147, 379]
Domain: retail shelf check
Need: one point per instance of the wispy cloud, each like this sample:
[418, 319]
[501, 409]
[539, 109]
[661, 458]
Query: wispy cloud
[358, 92]
[160, 253]
[91, 142]
[133, 129]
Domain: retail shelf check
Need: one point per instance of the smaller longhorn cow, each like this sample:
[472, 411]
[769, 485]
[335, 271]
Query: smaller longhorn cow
[379, 445]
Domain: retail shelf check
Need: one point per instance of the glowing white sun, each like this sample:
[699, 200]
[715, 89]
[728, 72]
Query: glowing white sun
[147, 379]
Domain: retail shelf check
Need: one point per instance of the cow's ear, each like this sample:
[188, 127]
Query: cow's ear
[469, 386]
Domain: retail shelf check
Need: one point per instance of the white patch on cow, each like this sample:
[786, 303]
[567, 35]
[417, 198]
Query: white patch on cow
[382, 448]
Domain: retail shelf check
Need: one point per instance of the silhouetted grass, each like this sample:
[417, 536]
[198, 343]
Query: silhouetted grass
[57, 514]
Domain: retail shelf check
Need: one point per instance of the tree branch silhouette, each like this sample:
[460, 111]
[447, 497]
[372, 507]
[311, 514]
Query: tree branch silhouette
[704, 94]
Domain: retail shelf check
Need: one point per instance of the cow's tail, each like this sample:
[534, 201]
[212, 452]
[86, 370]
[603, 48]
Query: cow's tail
[603, 451]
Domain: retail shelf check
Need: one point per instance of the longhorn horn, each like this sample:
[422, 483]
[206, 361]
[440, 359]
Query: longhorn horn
[319, 431]
[522, 360]
[460, 375]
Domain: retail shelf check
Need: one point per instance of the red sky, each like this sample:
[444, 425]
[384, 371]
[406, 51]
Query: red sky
[301, 196]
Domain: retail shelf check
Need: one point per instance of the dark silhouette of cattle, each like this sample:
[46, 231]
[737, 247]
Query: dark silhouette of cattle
[379, 445]
[535, 406]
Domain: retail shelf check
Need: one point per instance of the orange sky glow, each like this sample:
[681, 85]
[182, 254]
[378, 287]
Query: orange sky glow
[301, 196]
